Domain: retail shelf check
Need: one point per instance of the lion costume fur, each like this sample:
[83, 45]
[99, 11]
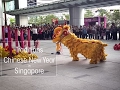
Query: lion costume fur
[90, 49]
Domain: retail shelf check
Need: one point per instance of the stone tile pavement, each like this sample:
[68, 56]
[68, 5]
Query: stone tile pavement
[64, 74]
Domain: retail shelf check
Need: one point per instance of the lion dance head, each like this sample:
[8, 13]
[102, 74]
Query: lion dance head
[60, 32]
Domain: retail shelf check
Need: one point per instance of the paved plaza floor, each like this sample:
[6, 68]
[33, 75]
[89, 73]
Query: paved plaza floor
[61, 73]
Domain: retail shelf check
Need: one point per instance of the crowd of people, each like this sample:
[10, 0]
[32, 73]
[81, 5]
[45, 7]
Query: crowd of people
[97, 32]
[45, 32]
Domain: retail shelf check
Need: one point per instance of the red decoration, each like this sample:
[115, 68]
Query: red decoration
[7, 48]
[116, 47]
[56, 22]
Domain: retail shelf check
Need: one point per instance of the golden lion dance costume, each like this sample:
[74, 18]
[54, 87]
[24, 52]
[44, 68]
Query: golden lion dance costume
[90, 49]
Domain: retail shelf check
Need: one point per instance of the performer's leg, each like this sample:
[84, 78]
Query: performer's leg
[58, 48]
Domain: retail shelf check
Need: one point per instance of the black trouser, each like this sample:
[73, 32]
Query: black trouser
[39, 36]
[114, 35]
[119, 35]
[100, 34]
[77, 35]
[19, 39]
[35, 37]
[90, 36]
[46, 35]
[107, 35]
[42, 36]
[111, 36]
[84, 36]
[80, 34]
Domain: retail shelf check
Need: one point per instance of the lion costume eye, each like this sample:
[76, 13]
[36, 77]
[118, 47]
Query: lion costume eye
[65, 33]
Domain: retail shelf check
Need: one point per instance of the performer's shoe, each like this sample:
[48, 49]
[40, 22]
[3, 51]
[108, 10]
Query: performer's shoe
[58, 53]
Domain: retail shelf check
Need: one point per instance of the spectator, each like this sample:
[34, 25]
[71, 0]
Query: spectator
[35, 34]
[84, 32]
[114, 31]
[94, 32]
[19, 37]
[80, 32]
[6, 33]
[107, 32]
[77, 31]
[90, 34]
[119, 32]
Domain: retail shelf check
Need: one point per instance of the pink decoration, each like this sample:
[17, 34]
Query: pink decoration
[22, 38]
[9, 41]
[29, 39]
[16, 40]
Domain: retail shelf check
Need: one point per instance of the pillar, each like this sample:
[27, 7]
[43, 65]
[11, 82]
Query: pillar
[21, 20]
[1, 19]
[76, 16]
[17, 20]
[16, 4]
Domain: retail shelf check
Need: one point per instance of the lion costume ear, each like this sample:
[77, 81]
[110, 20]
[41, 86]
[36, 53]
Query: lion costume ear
[66, 27]
[57, 29]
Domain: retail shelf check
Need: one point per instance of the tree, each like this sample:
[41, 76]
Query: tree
[31, 20]
[42, 19]
[61, 18]
[67, 16]
[116, 15]
[12, 21]
[102, 12]
[105, 13]
[48, 18]
[88, 14]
